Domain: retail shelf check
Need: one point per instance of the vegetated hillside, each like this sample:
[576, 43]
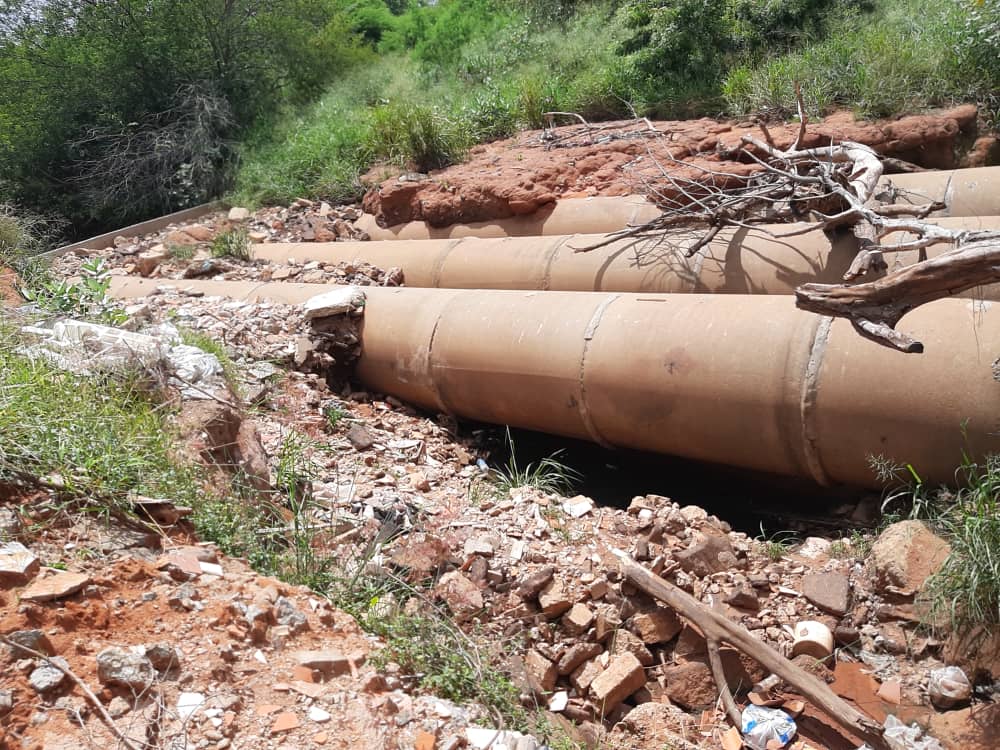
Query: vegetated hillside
[109, 114]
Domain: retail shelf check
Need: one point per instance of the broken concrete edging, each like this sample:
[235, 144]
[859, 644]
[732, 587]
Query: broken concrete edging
[967, 192]
[144, 227]
[739, 260]
[747, 381]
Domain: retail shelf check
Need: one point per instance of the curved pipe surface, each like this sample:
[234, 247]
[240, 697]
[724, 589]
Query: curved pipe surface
[600, 213]
[743, 261]
[746, 381]
[968, 192]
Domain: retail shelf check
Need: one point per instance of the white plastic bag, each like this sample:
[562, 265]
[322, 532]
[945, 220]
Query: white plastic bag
[901, 737]
[761, 725]
[948, 687]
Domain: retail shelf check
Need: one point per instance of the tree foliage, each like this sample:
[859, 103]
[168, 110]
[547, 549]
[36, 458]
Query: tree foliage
[79, 71]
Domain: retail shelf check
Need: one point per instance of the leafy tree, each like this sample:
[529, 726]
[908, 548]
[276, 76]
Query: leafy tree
[75, 71]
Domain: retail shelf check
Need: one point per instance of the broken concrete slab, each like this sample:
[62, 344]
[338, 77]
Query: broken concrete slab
[17, 564]
[55, 586]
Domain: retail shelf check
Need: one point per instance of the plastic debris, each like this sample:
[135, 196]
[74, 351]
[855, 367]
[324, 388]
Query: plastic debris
[88, 348]
[901, 737]
[949, 687]
[762, 725]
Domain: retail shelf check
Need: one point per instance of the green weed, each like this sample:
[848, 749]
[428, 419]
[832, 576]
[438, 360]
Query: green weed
[334, 414]
[776, 545]
[415, 136]
[102, 437]
[211, 346]
[965, 592]
[181, 252]
[233, 243]
[548, 475]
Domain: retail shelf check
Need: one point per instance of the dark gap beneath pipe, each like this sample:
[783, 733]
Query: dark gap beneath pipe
[745, 499]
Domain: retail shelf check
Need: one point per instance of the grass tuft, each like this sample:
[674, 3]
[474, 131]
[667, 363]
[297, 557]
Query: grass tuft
[548, 475]
[233, 243]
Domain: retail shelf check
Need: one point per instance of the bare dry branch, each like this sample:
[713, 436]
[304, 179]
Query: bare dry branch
[718, 628]
[84, 688]
[877, 306]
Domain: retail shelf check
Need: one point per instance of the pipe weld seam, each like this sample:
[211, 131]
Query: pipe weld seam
[807, 403]
[439, 262]
[588, 335]
[432, 382]
[550, 259]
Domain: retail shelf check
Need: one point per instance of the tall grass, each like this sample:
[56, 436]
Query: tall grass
[902, 56]
[966, 590]
[494, 68]
[412, 114]
[101, 437]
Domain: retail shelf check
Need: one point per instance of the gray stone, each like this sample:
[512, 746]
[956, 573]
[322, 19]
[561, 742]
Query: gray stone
[163, 657]
[711, 554]
[6, 701]
[831, 592]
[360, 437]
[17, 565]
[288, 615]
[905, 556]
[116, 666]
[118, 707]
[529, 586]
[36, 640]
[10, 524]
[45, 677]
[238, 213]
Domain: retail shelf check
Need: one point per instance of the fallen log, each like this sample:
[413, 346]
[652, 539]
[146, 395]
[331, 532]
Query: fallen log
[717, 628]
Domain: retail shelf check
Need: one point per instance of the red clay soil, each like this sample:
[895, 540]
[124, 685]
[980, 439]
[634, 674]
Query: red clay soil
[8, 288]
[517, 176]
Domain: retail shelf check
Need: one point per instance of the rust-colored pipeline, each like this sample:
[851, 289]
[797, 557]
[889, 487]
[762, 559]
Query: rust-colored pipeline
[600, 213]
[743, 261]
[733, 379]
[968, 192]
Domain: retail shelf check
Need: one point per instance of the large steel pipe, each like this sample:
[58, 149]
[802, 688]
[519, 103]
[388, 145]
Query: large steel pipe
[739, 380]
[965, 192]
[743, 261]
[968, 192]
[601, 213]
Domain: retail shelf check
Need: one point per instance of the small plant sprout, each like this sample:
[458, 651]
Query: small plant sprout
[234, 243]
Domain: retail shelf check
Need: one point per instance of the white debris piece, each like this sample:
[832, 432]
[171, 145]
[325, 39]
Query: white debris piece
[82, 347]
[577, 507]
[335, 302]
[188, 703]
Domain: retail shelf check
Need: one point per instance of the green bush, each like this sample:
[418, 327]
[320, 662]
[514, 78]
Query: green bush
[921, 53]
[106, 76]
[416, 136]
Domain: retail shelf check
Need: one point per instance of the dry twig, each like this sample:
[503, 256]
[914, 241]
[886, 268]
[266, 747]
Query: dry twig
[84, 688]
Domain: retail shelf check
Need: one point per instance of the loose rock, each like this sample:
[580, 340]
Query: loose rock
[116, 666]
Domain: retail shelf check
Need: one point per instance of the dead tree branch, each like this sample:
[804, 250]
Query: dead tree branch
[823, 189]
[717, 628]
[877, 306]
